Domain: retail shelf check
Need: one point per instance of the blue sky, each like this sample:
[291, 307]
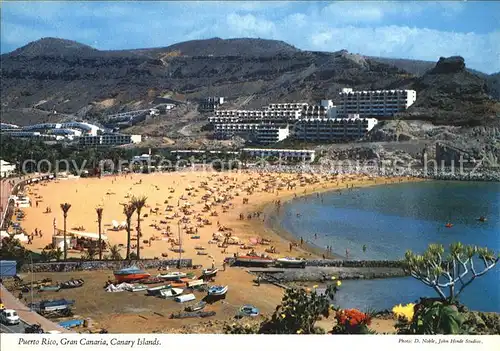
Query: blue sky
[419, 30]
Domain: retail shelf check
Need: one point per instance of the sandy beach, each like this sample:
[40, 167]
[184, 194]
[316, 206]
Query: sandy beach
[194, 198]
[191, 197]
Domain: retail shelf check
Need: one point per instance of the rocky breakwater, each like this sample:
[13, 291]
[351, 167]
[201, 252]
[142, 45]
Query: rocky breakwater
[323, 270]
[324, 274]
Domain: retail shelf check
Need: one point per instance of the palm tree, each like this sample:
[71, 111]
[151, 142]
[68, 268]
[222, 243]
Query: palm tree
[128, 211]
[139, 203]
[99, 210]
[114, 253]
[65, 208]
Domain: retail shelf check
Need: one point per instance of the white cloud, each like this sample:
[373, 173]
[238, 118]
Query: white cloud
[249, 25]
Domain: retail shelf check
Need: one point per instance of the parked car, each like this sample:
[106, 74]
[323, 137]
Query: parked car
[8, 316]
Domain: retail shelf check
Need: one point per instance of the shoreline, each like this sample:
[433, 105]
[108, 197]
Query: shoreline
[310, 250]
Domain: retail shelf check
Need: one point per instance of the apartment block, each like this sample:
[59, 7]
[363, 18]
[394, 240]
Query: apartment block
[283, 154]
[109, 140]
[333, 130]
[375, 103]
[264, 133]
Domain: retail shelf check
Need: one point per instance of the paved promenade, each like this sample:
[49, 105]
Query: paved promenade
[25, 314]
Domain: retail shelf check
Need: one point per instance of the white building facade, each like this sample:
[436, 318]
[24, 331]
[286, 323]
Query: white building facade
[376, 103]
[6, 169]
[284, 154]
[109, 140]
[333, 130]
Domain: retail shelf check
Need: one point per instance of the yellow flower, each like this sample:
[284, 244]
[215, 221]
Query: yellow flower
[283, 315]
[315, 286]
[339, 283]
[405, 312]
[299, 331]
[333, 278]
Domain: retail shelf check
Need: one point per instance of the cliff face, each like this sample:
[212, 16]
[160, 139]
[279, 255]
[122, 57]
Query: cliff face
[449, 94]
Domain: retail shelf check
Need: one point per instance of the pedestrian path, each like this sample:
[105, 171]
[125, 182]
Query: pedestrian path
[25, 314]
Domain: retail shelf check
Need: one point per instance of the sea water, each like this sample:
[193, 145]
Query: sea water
[390, 219]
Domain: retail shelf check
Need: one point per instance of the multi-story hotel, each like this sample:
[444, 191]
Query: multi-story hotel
[333, 130]
[375, 103]
[210, 104]
[109, 139]
[264, 133]
[284, 154]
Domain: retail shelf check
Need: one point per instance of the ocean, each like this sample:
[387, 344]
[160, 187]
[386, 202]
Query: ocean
[390, 219]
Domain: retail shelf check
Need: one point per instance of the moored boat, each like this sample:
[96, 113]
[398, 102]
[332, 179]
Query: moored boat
[185, 298]
[217, 290]
[172, 275]
[49, 288]
[291, 262]
[196, 307]
[254, 260]
[74, 283]
[130, 274]
[137, 288]
[155, 291]
[209, 273]
[171, 292]
[249, 310]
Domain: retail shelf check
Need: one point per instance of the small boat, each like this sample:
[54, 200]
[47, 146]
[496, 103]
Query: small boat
[448, 225]
[199, 247]
[49, 288]
[71, 323]
[137, 288]
[171, 292]
[195, 236]
[210, 272]
[291, 262]
[70, 284]
[52, 305]
[249, 310]
[130, 274]
[155, 291]
[172, 275]
[185, 298]
[256, 260]
[217, 290]
[196, 307]
[482, 219]
[150, 280]
[202, 253]
[195, 283]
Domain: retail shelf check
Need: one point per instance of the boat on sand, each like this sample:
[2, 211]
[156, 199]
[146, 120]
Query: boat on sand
[130, 274]
[217, 290]
[291, 262]
[171, 292]
[172, 275]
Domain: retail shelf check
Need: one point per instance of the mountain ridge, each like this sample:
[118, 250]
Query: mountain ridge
[73, 78]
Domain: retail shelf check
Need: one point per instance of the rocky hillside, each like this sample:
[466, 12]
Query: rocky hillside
[72, 78]
[449, 94]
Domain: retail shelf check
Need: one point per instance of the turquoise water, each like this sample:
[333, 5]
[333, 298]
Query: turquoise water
[391, 219]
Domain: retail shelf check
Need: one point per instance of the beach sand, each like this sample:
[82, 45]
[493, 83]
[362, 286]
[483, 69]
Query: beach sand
[174, 189]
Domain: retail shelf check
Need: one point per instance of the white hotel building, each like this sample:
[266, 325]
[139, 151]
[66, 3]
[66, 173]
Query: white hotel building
[109, 139]
[375, 103]
[283, 154]
[264, 133]
[333, 130]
